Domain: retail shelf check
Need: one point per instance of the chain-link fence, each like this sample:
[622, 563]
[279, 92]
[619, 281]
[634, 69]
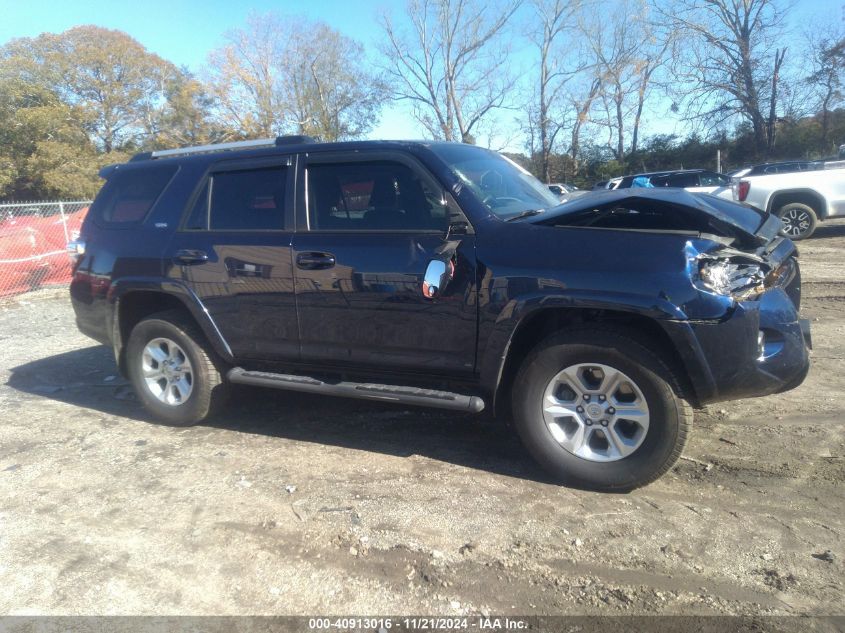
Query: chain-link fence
[33, 236]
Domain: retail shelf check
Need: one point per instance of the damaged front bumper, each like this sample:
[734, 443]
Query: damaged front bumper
[761, 348]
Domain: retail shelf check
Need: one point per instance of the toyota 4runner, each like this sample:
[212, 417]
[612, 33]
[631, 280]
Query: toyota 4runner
[441, 275]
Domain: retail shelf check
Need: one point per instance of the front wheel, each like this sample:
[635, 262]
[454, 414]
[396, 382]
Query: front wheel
[597, 410]
[799, 220]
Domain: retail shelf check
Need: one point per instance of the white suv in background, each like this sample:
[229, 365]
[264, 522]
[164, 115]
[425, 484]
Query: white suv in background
[800, 199]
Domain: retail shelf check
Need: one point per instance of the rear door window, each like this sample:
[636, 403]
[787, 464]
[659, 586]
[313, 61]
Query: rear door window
[129, 195]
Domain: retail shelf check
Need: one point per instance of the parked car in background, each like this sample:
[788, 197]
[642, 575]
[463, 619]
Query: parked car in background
[783, 167]
[560, 188]
[693, 180]
[565, 191]
[442, 275]
[800, 199]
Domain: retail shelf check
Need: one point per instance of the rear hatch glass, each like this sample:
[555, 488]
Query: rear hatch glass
[129, 194]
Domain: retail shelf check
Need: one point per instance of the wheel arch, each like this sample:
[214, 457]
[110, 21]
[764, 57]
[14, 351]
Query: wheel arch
[541, 323]
[810, 197]
[133, 301]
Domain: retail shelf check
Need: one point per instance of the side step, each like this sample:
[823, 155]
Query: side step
[361, 390]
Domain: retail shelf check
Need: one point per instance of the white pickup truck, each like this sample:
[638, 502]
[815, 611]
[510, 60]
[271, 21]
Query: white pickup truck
[800, 199]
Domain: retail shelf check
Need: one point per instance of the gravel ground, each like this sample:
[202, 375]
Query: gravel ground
[291, 504]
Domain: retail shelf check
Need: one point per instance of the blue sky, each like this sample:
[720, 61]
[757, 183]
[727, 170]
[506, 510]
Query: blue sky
[184, 31]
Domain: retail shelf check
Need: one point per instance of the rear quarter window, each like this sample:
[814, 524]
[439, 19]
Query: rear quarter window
[128, 196]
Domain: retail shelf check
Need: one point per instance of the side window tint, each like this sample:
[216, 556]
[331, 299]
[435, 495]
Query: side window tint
[713, 180]
[198, 219]
[249, 199]
[128, 196]
[372, 196]
[683, 180]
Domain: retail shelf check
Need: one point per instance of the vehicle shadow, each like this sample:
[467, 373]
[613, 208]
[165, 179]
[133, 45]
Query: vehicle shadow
[828, 230]
[87, 378]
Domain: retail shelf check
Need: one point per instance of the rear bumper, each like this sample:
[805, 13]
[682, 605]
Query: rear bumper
[760, 349]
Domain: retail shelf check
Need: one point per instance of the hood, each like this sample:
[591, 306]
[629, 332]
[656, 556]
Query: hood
[662, 210]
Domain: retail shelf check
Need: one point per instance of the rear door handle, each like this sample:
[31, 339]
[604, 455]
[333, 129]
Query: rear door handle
[189, 256]
[315, 261]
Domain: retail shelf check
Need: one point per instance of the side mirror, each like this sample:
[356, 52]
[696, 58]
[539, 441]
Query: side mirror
[438, 273]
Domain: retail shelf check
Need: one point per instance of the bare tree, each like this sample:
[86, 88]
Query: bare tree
[332, 93]
[651, 58]
[826, 44]
[628, 50]
[582, 104]
[771, 123]
[725, 70]
[284, 74]
[450, 63]
[245, 77]
[553, 18]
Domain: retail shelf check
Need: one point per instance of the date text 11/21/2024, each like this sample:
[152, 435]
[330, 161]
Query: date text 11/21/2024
[481, 623]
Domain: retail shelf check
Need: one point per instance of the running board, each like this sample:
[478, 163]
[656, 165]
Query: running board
[361, 390]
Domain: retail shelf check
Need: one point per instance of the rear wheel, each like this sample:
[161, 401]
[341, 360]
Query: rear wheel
[597, 410]
[173, 369]
[799, 220]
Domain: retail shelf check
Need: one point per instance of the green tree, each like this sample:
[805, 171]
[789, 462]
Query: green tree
[35, 124]
[109, 77]
[73, 101]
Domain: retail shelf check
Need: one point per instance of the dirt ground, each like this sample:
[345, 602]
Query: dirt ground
[293, 504]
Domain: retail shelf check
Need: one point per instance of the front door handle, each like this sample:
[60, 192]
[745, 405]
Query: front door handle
[190, 256]
[315, 261]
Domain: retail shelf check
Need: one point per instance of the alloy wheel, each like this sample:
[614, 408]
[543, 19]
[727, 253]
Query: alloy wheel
[796, 222]
[167, 371]
[596, 412]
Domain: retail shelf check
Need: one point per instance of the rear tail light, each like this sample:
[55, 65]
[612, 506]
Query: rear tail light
[742, 190]
[75, 250]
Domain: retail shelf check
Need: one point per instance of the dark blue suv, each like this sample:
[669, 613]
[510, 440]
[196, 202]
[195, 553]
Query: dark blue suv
[440, 275]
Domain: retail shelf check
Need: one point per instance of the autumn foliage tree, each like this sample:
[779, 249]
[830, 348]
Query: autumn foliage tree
[282, 74]
[76, 100]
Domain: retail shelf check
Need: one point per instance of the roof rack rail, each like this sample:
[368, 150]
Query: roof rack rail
[219, 147]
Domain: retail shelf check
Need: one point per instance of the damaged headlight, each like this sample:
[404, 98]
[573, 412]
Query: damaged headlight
[739, 280]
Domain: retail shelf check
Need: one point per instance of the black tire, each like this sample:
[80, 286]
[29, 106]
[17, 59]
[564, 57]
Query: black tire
[208, 389]
[670, 415]
[799, 220]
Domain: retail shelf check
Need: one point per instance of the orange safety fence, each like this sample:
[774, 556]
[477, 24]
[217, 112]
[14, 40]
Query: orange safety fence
[33, 239]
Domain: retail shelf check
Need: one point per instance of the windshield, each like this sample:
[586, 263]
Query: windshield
[504, 188]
